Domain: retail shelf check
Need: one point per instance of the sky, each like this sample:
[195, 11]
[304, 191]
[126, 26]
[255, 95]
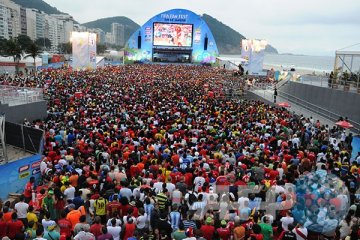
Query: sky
[310, 27]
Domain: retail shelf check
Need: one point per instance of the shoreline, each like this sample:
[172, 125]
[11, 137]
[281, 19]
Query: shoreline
[300, 71]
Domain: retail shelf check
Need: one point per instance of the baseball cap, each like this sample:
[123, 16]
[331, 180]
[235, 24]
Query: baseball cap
[208, 220]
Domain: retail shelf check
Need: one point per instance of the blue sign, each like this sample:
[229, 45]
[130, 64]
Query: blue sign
[15, 175]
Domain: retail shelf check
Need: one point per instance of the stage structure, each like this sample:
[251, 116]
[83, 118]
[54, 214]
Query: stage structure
[254, 52]
[83, 50]
[176, 35]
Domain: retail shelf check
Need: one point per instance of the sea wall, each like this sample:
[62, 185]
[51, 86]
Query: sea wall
[346, 104]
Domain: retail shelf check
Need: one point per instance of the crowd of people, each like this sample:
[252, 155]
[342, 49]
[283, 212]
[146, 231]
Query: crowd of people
[142, 152]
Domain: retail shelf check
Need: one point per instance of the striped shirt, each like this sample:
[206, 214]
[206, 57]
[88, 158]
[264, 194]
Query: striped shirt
[189, 223]
[162, 200]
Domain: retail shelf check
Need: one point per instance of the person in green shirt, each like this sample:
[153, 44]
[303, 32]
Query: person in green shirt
[266, 229]
[180, 233]
[48, 204]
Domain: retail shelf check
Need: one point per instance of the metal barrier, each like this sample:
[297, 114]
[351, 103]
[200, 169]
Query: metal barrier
[316, 109]
[13, 95]
[27, 138]
[305, 105]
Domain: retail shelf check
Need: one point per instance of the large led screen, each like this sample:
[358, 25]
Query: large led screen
[173, 35]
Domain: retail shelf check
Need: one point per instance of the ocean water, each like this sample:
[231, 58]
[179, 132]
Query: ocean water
[300, 62]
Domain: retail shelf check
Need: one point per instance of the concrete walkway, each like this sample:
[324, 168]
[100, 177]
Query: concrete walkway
[268, 95]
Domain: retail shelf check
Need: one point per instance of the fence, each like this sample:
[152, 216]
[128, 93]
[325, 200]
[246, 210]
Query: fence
[317, 109]
[13, 95]
[27, 138]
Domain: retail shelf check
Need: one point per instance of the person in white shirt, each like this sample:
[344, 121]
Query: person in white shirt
[285, 221]
[141, 219]
[46, 222]
[300, 231]
[21, 208]
[158, 186]
[114, 230]
[84, 192]
[199, 206]
[199, 182]
[69, 192]
[118, 221]
[170, 186]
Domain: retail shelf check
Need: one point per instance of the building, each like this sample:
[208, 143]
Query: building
[16, 20]
[109, 38]
[117, 30]
[65, 25]
[100, 34]
[23, 25]
[51, 32]
[9, 19]
[31, 23]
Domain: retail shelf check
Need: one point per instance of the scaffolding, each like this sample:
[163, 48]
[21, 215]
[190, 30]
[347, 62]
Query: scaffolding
[3, 154]
[347, 67]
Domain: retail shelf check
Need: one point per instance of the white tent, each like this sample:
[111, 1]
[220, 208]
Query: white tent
[348, 60]
[231, 63]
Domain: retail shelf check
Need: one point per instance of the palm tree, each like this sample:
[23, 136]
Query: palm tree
[13, 49]
[33, 51]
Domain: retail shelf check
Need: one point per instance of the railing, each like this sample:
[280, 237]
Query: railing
[316, 109]
[323, 81]
[13, 95]
[305, 105]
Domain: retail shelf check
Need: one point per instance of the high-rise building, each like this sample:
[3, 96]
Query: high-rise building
[31, 23]
[9, 19]
[117, 30]
[51, 31]
[109, 38]
[100, 34]
[23, 25]
[65, 25]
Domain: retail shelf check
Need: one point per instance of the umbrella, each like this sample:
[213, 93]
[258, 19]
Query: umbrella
[344, 124]
[284, 104]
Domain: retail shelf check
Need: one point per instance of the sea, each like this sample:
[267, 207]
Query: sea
[319, 64]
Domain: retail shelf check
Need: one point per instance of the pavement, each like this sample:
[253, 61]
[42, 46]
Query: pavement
[268, 94]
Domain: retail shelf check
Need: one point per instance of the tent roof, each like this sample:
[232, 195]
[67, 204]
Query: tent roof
[349, 50]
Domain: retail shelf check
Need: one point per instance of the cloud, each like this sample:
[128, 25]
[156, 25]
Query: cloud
[290, 25]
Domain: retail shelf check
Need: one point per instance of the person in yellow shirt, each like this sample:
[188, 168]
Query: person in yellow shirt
[31, 217]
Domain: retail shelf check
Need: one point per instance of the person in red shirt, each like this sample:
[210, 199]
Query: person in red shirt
[273, 174]
[256, 235]
[7, 214]
[65, 226]
[208, 230]
[224, 232]
[14, 226]
[129, 228]
[113, 207]
[29, 187]
[96, 227]
[3, 226]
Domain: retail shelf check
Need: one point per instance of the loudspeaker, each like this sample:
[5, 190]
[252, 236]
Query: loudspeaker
[206, 43]
[139, 42]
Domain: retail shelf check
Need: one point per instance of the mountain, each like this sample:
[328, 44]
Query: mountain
[38, 4]
[105, 24]
[227, 39]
